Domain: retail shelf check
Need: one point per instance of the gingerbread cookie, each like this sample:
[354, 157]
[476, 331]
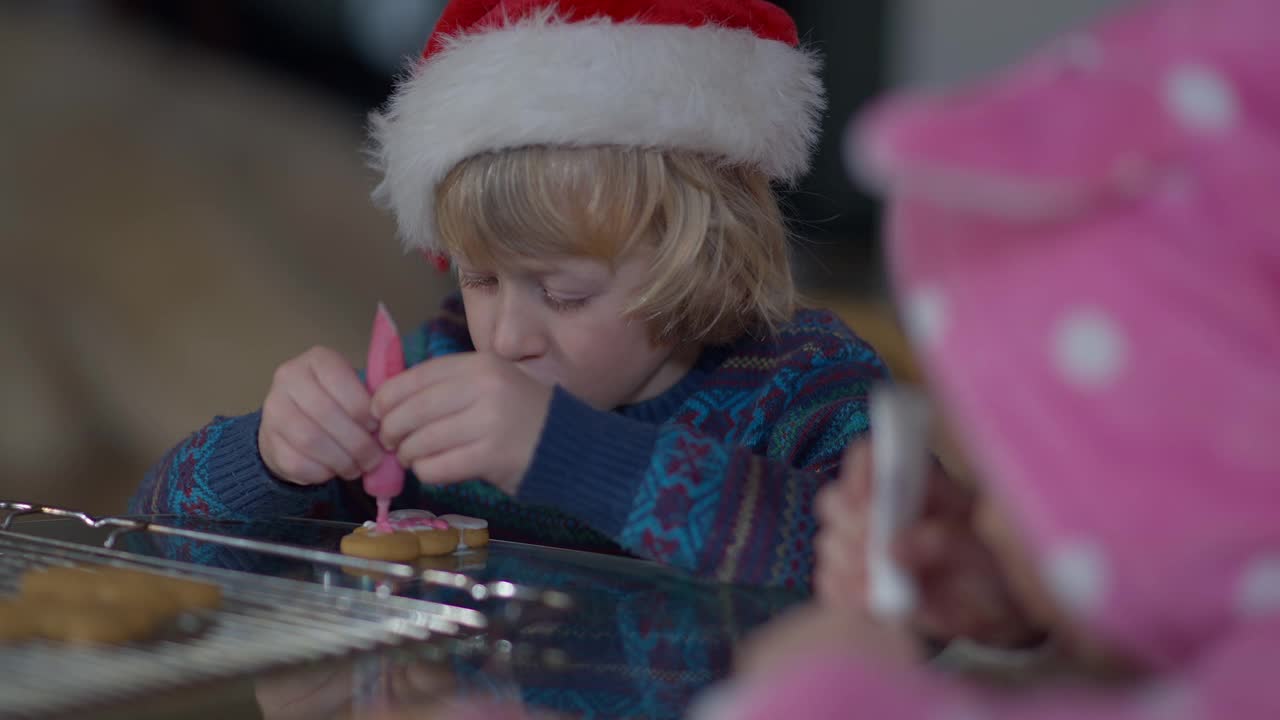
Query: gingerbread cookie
[96, 623]
[17, 622]
[97, 605]
[56, 581]
[194, 594]
[396, 546]
[136, 588]
[436, 542]
[472, 532]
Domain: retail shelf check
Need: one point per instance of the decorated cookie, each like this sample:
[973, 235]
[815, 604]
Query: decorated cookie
[472, 532]
[409, 515]
[436, 541]
[435, 537]
[396, 546]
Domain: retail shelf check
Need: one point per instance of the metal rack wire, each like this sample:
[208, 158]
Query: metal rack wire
[263, 623]
[9, 511]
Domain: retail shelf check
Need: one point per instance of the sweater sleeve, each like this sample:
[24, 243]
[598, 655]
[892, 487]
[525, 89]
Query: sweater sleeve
[681, 494]
[217, 472]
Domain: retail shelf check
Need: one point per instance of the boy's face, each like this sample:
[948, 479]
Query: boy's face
[561, 321]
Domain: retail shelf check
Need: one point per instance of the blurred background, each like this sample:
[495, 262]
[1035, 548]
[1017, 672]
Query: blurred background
[184, 203]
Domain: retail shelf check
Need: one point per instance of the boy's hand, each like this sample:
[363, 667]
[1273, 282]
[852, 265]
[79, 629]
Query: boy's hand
[962, 588]
[316, 423]
[463, 417]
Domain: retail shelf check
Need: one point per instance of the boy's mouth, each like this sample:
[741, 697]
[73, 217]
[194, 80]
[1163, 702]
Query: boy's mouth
[540, 373]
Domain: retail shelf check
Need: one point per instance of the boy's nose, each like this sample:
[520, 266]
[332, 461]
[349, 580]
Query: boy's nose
[516, 336]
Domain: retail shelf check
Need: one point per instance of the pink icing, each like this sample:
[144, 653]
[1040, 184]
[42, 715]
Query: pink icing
[384, 505]
[418, 523]
[386, 360]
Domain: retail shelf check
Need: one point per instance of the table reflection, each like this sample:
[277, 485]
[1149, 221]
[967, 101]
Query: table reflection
[640, 640]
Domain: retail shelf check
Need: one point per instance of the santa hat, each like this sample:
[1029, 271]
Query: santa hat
[722, 77]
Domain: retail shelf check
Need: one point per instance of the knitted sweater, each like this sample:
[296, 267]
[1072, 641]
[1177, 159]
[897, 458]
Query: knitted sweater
[716, 476]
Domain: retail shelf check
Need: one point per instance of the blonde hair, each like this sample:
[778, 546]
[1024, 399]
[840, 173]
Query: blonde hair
[720, 267]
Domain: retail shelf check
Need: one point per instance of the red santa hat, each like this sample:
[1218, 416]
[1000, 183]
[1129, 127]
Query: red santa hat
[721, 77]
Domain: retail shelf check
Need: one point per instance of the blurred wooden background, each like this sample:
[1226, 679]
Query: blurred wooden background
[174, 227]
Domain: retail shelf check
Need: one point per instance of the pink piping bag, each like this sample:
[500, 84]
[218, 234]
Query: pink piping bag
[386, 360]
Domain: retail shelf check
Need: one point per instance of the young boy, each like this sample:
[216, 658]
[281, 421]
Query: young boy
[625, 369]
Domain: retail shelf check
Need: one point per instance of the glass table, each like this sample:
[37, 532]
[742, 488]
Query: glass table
[636, 640]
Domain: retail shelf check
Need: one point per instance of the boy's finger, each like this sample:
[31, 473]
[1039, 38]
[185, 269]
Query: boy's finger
[439, 437]
[428, 407]
[356, 442]
[340, 381]
[305, 436]
[294, 465]
[457, 465]
[446, 370]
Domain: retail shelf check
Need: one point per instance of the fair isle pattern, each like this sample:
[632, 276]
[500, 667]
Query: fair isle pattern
[187, 475]
[728, 489]
[758, 529]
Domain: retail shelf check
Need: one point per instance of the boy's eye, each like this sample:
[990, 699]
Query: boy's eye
[563, 304]
[478, 282]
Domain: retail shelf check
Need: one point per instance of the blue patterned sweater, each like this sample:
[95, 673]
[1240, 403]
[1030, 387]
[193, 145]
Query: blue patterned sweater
[716, 476]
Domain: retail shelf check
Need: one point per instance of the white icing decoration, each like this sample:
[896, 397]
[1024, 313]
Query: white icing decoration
[410, 514]
[372, 527]
[463, 522]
